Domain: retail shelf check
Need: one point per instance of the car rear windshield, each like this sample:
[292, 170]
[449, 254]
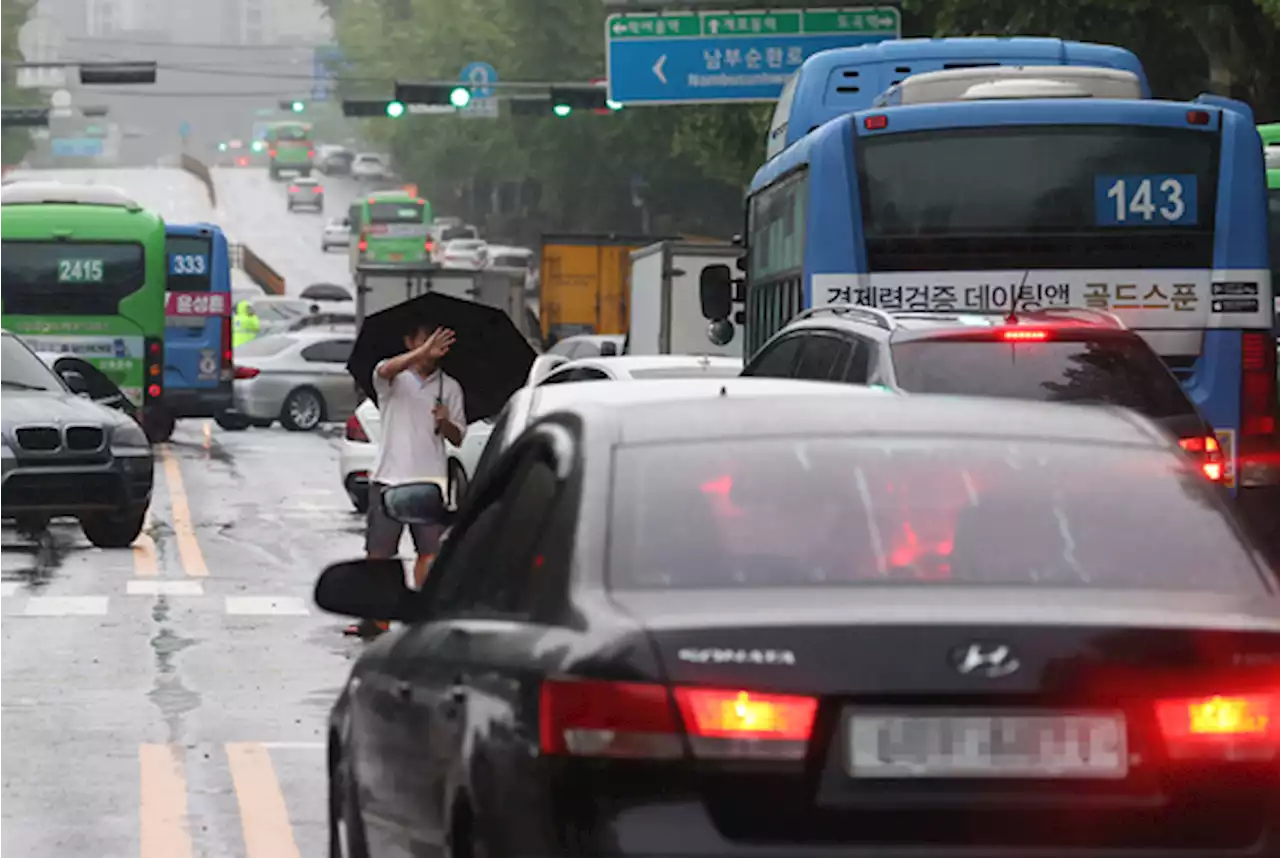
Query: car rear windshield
[405, 212]
[456, 232]
[69, 277]
[828, 511]
[264, 346]
[712, 371]
[1112, 370]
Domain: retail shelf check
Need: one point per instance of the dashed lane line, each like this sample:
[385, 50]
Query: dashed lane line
[260, 606]
[148, 587]
[66, 606]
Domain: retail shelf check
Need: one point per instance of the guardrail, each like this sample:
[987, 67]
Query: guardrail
[197, 168]
[259, 271]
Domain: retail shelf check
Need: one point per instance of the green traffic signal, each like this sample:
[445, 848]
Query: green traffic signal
[613, 105]
[298, 107]
[222, 147]
[256, 146]
[562, 110]
[460, 97]
[395, 109]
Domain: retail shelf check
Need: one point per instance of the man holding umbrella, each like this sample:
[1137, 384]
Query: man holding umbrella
[421, 407]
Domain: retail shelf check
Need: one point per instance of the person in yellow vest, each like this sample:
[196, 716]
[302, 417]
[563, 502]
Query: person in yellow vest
[246, 324]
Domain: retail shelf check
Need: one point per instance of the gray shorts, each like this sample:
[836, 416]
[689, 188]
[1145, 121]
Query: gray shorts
[382, 537]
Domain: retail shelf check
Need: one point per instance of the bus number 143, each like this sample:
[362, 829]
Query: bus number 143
[1146, 200]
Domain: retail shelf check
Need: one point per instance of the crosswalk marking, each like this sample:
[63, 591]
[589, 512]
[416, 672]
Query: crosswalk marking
[65, 606]
[288, 606]
[263, 815]
[164, 829]
[149, 587]
[8, 588]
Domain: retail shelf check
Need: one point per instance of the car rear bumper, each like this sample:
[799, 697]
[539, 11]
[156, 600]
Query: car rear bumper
[307, 203]
[355, 463]
[198, 402]
[123, 483]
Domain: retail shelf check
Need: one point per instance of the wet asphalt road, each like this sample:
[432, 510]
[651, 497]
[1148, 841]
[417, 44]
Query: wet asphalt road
[169, 700]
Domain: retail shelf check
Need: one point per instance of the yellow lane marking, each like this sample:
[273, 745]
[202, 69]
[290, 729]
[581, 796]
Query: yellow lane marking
[263, 815]
[164, 828]
[145, 562]
[183, 529]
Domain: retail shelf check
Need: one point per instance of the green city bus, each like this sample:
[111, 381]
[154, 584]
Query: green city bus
[389, 227]
[84, 274]
[289, 148]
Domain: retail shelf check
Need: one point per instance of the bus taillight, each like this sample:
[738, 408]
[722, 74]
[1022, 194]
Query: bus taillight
[1258, 394]
[363, 245]
[228, 370]
[154, 368]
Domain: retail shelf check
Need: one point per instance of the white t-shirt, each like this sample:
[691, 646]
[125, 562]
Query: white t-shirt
[411, 451]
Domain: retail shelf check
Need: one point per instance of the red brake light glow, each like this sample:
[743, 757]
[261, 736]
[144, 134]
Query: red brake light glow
[317, 190]
[1022, 335]
[154, 391]
[293, 189]
[879, 122]
[1210, 453]
[1231, 726]
[428, 245]
[629, 719]
[246, 372]
[363, 245]
[355, 432]
[1197, 117]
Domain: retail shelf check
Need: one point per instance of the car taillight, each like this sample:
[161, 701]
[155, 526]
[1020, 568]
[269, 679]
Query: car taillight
[271, 152]
[591, 718]
[247, 372]
[317, 190]
[293, 189]
[363, 245]
[1024, 335]
[1227, 726]
[311, 153]
[1208, 451]
[154, 367]
[228, 370]
[355, 432]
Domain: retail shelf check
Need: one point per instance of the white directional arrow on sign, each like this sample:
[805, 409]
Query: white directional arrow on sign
[657, 68]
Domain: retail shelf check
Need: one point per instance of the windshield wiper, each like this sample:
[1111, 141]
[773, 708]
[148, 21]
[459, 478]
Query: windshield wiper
[21, 385]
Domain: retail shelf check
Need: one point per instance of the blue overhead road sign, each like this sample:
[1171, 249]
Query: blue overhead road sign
[479, 74]
[325, 62]
[702, 57]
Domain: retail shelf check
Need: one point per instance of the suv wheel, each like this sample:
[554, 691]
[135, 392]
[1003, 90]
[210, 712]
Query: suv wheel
[113, 529]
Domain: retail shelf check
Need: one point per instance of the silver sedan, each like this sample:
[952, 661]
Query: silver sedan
[299, 378]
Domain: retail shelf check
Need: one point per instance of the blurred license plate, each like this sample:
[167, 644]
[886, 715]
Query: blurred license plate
[987, 746]
[396, 257]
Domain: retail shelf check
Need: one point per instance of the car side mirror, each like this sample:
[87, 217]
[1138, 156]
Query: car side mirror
[608, 349]
[75, 382]
[370, 589]
[715, 289]
[416, 503]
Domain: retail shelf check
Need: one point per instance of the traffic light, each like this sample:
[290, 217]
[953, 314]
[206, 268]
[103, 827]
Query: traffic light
[25, 117]
[433, 94]
[121, 73]
[256, 145]
[366, 108]
[565, 100]
[293, 105]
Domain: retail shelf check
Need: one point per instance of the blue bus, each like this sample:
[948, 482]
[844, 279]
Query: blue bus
[1153, 210]
[833, 83]
[198, 367]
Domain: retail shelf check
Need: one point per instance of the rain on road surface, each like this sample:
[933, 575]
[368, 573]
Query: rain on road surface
[169, 700]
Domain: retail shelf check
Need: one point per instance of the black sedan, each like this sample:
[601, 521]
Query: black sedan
[799, 627]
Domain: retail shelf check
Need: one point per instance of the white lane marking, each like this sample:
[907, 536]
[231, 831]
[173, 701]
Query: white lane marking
[281, 606]
[66, 606]
[8, 588]
[164, 588]
[293, 746]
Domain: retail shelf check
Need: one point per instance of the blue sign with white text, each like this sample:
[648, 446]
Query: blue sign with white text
[326, 60]
[706, 57]
[188, 263]
[479, 74]
[1145, 200]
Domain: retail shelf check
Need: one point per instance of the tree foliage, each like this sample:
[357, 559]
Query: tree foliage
[682, 169]
[15, 143]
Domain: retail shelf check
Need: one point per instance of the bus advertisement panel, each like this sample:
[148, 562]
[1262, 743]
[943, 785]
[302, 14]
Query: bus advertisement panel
[198, 363]
[88, 279]
[1154, 211]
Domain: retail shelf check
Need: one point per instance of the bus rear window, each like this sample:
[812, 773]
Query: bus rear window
[295, 132]
[189, 263]
[406, 212]
[1037, 179]
[1111, 370]
[69, 277]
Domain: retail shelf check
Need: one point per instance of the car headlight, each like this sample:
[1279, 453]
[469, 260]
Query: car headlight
[129, 435]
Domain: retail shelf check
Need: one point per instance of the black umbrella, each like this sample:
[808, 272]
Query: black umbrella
[490, 358]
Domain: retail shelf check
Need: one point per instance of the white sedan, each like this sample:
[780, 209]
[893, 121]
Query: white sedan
[470, 254]
[359, 448]
[367, 165]
[337, 233]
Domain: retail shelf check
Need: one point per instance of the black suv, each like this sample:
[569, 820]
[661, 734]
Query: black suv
[1067, 355]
